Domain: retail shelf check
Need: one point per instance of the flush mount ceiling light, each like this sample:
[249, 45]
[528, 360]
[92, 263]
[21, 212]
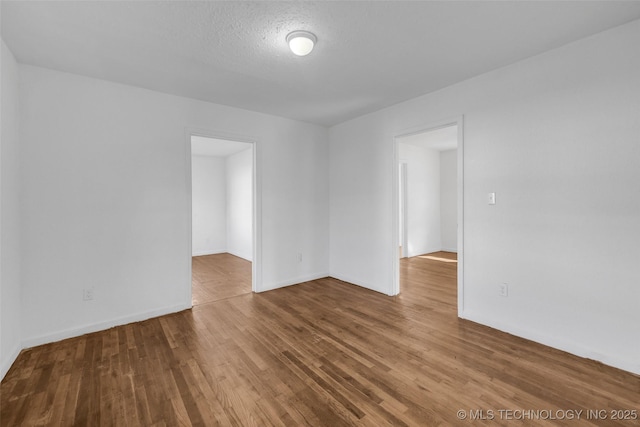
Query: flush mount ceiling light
[301, 42]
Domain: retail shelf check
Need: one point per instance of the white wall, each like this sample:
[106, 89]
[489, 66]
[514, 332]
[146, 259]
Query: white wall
[557, 138]
[209, 201]
[423, 199]
[449, 200]
[106, 193]
[222, 201]
[10, 293]
[239, 204]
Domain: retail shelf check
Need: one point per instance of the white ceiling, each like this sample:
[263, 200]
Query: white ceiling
[370, 54]
[203, 146]
[441, 139]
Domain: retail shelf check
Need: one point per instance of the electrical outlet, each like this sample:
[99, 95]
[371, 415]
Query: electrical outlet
[87, 294]
[503, 290]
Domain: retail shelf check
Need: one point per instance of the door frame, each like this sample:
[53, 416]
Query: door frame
[402, 207]
[256, 263]
[395, 259]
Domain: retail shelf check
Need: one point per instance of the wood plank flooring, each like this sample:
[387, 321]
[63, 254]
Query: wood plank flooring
[219, 276]
[324, 353]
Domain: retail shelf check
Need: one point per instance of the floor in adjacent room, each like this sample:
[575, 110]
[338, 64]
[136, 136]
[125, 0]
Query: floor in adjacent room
[219, 276]
[323, 353]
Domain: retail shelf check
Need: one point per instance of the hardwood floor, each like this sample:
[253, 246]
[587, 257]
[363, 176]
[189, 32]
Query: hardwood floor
[219, 276]
[324, 353]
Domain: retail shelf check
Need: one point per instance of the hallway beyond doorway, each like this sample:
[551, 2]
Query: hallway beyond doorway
[435, 274]
[219, 276]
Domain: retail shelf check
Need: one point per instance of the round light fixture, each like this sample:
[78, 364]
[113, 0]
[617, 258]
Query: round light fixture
[301, 42]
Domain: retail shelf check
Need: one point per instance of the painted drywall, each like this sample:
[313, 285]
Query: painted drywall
[209, 205]
[10, 292]
[106, 200]
[556, 137]
[423, 199]
[449, 200]
[222, 201]
[239, 204]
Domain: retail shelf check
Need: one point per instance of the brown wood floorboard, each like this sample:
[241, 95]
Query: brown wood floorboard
[219, 276]
[324, 353]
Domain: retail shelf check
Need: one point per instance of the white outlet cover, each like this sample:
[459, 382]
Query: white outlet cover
[87, 294]
[503, 290]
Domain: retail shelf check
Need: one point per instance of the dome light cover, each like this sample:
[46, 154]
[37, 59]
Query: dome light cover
[301, 42]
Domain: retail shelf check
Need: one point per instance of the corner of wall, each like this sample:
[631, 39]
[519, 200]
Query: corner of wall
[291, 282]
[8, 362]
[10, 215]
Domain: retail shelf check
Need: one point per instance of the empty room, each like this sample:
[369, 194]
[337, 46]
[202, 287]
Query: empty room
[222, 215]
[372, 213]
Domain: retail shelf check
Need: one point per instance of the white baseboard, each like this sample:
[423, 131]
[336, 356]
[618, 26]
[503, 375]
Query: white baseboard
[356, 282]
[291, 282]
[101, 326]
[423, 251]
[454, 250]
[6, 364]
[208, 252]
[240, 256]
[569, 347]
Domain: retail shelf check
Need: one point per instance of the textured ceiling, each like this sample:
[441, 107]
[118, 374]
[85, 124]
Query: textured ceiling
[369, 54]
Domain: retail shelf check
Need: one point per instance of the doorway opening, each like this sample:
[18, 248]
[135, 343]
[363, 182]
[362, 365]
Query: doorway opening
[222, 218]
[428, 235]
